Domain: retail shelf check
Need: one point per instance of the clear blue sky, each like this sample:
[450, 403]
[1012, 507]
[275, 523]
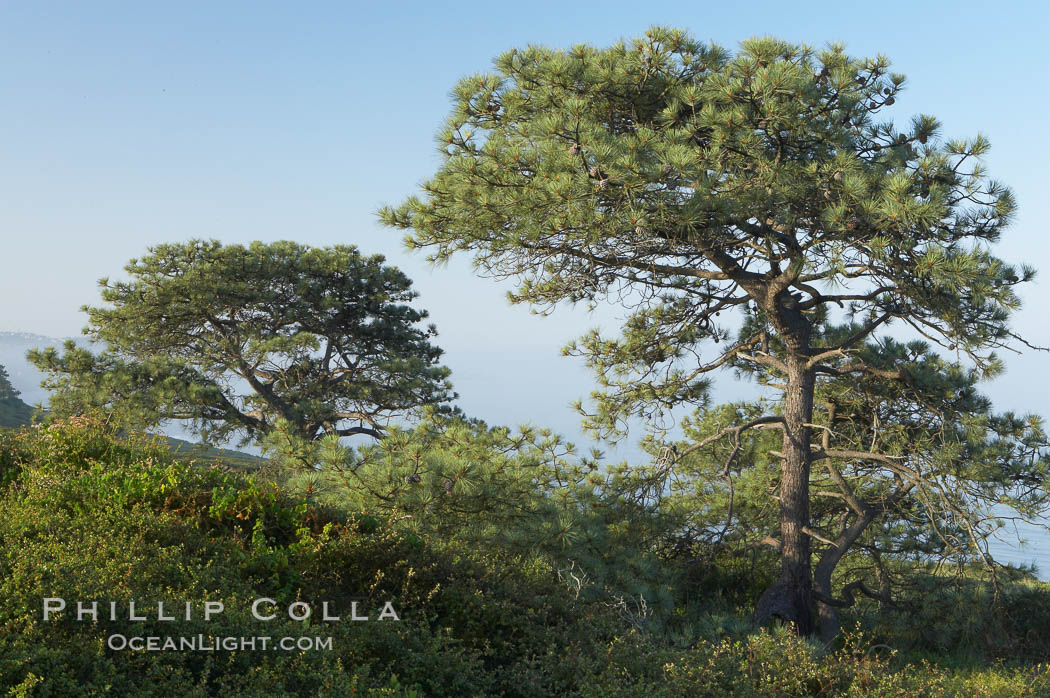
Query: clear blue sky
[129, 124]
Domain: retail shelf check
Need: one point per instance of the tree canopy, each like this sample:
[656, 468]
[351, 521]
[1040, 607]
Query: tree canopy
[768, 185]
[237, 339]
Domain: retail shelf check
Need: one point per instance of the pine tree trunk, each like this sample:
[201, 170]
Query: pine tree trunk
[795, 571]
[791, 597]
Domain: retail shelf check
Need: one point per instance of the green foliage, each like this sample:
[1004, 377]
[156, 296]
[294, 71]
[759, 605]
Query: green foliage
[186, 450]
[684, 180]
[6, 389]
[90, 516]
[234, 338]
[523, 495]
[781, 665]
[13, 412]
[958, 617]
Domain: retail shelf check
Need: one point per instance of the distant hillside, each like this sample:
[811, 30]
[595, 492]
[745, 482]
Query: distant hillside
[187, 450]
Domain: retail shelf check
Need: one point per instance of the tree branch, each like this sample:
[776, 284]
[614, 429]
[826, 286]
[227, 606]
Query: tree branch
[736, 431]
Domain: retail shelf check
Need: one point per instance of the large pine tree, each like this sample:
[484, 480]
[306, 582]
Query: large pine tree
[696, 184]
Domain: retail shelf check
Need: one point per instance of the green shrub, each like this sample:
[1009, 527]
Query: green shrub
[96, 517]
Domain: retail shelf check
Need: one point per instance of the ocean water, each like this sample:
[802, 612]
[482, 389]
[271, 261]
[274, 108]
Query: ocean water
[1035, 547]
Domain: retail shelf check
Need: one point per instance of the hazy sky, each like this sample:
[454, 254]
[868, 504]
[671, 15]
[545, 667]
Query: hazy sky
[129, 124]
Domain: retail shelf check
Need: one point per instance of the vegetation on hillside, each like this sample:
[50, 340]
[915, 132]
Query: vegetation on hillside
[86, 515]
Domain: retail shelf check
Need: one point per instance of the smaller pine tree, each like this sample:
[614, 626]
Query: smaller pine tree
[7, 390]
[13, 412]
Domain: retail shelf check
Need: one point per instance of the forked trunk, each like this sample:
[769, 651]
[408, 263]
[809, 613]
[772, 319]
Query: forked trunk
[827, 615]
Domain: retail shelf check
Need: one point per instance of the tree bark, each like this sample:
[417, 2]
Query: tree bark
[795, 571]
[791, 598]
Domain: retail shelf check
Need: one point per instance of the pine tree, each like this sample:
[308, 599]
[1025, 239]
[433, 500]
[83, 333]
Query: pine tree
[13, 412]
[236, 339]
[7, 390]
[692, 183]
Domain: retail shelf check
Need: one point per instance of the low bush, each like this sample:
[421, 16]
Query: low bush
[92, 517]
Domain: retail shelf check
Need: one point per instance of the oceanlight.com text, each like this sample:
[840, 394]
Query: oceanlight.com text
[210, 643]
